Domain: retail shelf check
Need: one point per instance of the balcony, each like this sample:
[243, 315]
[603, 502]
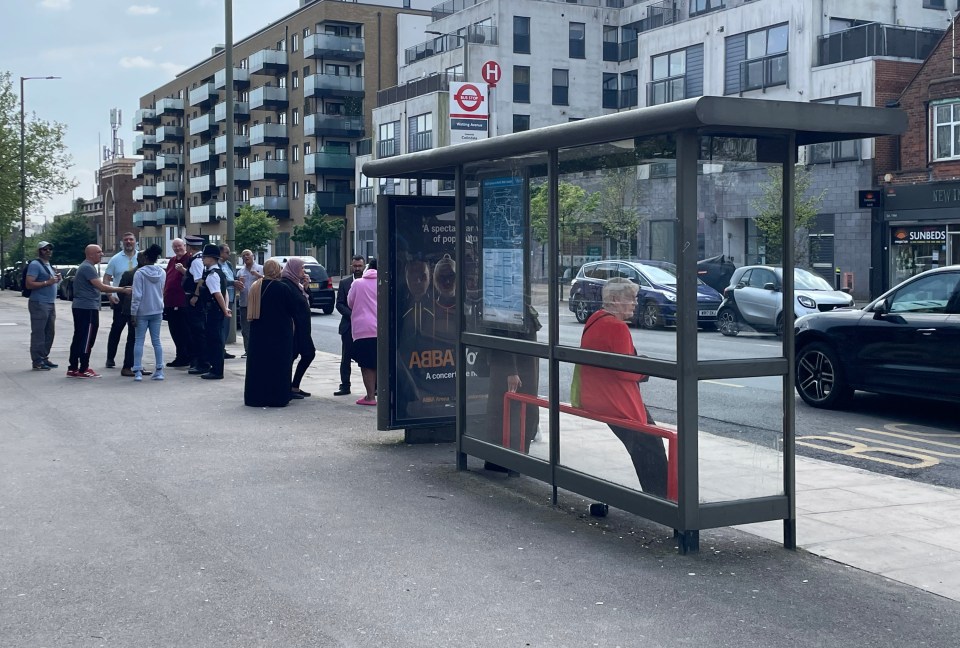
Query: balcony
[411, 89]
[268, 61]
[365, 147]
[221, 208]
[365, 196]
[330, 46]
[169, 134]
[169, 216]
[269, 170]
[387, 148]
[201, 184]
[169, 188]
[762, 73]
[240, 143]
[268, 134]
[332, 85]
[203, 124]
[145, 116]
[144, 192]
[276, 206]
[202, 153]
[241, 79]
[144, 218]
[142, 167]
[331, 203]
[666, 90]
[475, 34]
[323, 162]
[142, 143]
[241, 111]
[421, 141]
[241, 176]
[204, 213]
[876, 40]
[169, 161]
[204, 95]
[268, 98]
[318, 125]
[169, 106]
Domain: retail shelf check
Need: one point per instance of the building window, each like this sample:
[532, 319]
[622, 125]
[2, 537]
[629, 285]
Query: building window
[296, 153]
[521, 84]
[420, 132]
[934, 4]
[698, 7]
[611, 43]
[629, 96]
[295, 43]
[283, 244]
[296, 116]
[561, 87]
[388, 144]
[306, 149]
[669, 78]
[758, 59]
[281, 46]
[836, 151]
[611, 91]
[296, 191]
[521, 35]
[578, 40]
[306, 32]
[521, 123]
[946, 131]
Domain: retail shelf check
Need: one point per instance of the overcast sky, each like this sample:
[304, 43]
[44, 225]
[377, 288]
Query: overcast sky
[109, 53]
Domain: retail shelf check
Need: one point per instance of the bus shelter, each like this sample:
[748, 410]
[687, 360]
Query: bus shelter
[492, 274]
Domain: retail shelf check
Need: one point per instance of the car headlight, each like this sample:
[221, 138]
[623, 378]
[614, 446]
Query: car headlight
[671, 297]
[806, 302]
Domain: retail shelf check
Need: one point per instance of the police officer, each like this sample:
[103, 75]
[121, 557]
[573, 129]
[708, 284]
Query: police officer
[211, 296]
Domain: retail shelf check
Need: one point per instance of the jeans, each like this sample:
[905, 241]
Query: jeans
[43, 317]
[145, 322]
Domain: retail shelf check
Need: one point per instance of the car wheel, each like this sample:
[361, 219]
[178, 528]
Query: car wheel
[727, 322]
[580, 310]
[820, 377]
[652, 318]
[780, 326]
[327, 310]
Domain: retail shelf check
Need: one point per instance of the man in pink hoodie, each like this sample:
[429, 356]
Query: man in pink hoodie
[362, 300]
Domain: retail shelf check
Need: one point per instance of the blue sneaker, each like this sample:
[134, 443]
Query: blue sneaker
[158, 375]
[138, 375]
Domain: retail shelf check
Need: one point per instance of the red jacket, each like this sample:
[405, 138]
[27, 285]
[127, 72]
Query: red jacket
[608, 391]
[173, 295]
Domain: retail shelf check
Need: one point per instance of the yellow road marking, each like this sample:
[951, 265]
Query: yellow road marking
[900, 445]
[863, 451]
[898, 427]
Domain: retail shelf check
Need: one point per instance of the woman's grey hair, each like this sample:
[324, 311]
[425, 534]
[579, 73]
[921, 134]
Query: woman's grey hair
[618, 291]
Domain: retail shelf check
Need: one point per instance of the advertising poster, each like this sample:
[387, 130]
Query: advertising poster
[423, 278]
[502, 209]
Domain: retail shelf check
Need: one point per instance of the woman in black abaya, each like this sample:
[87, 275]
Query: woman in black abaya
[271, 307]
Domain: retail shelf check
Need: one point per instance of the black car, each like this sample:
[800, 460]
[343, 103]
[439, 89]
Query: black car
[906, 342]
[716, 271]
[320, 289]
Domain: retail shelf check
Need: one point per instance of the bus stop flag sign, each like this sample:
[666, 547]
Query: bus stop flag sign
[468, 112]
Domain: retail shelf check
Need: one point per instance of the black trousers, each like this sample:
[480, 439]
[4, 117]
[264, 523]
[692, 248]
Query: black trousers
[128, 345]
[85, 324]
[346, 352]
[195, 326]
[119, 322]
[176, 317]
[213, 328]
[649, 459]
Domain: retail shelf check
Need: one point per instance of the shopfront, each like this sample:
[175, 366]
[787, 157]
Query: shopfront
[922, 228]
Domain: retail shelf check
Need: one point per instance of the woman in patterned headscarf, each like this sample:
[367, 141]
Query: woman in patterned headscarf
[271, 307]
[295, 278]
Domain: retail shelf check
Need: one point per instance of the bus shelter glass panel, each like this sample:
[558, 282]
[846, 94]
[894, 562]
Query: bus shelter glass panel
[619, 427]
[741, 438]
[607, 206]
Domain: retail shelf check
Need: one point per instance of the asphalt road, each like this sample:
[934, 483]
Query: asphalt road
[904, 437]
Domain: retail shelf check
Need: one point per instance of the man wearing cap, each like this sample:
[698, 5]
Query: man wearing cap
[119, 263]
[190, 274]
[42, 282]
[175, 305]
[211, 295]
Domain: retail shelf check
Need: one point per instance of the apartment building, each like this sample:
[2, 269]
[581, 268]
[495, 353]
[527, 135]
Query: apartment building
[302, 88]
[565, 60]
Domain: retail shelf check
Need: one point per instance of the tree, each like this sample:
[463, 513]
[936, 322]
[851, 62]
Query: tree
[318, 229]
[618, 207]
[70, 234]
[574, 210]
[254, 229]
[46, 159]
[769, 207]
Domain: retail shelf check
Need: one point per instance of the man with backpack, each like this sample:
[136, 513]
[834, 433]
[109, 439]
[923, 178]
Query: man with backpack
[40, 286]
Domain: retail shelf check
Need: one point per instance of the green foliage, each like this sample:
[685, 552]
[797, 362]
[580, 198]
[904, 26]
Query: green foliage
[46, 159]
[254, 229]
[318, 229]
[769, 207]
[619, 217]
[574, 210]
[70, 234]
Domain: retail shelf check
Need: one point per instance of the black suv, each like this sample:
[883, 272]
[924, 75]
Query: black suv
[320, 288]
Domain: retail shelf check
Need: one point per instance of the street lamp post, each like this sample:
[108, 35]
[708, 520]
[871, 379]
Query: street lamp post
[23, 175]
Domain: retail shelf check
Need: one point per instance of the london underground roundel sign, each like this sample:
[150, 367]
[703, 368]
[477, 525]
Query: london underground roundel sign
[468, 98]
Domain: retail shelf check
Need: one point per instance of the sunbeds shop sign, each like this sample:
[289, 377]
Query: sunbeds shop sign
[917, 235]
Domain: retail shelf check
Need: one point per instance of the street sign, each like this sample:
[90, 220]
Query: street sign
[491, 72]
[868, 199]
[468, 112]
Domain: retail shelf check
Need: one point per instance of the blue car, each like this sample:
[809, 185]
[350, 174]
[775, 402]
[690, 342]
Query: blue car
[656, 301]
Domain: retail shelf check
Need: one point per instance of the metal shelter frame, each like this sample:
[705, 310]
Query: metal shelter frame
[783, 127]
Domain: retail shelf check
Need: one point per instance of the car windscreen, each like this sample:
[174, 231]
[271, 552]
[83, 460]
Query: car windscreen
[316, 273]
[658, 275]
[804, 280]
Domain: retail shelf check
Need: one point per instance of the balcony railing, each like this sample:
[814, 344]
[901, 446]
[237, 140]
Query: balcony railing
[411, 89]
[387, 148]
[268, 134]
[201, 184]
[451, 7]
[273, 205]
[331, 203]
[365, 196]
[142, 142]
[241, 111]
[241, 175]
[323, 162]
[268, 97]
[169, 161]
[204, 95]
[169, 216]
[240, 143]
[204, 213]
[365, 147]
[666, 90]
[169, 188]
[202, 124]
[421, 141]
[269, 170]
[268, 61]
[332, 85]
[876, 39]
[764, 72]
[479, 34]
[629, 98]
[169, 106]
[241, 78]
[144, 192]
[202, 153]
[144, 218]
[317, 125]
[145, 116]
[141, 167]
[331, 46]
[169, 134]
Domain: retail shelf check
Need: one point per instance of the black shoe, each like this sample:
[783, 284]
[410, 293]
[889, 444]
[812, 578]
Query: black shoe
[40, 366]
[343, 391]
[301, 392]
[228, 356]
[111, 364]
[212, 376]
[176, 363]
[296, 396]
[196, 371]
[51, 365]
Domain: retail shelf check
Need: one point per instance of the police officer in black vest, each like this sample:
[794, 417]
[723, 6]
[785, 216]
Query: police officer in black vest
[211, 297]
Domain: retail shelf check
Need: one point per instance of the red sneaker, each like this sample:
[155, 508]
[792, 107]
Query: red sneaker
[73, 373]
[89, 373]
